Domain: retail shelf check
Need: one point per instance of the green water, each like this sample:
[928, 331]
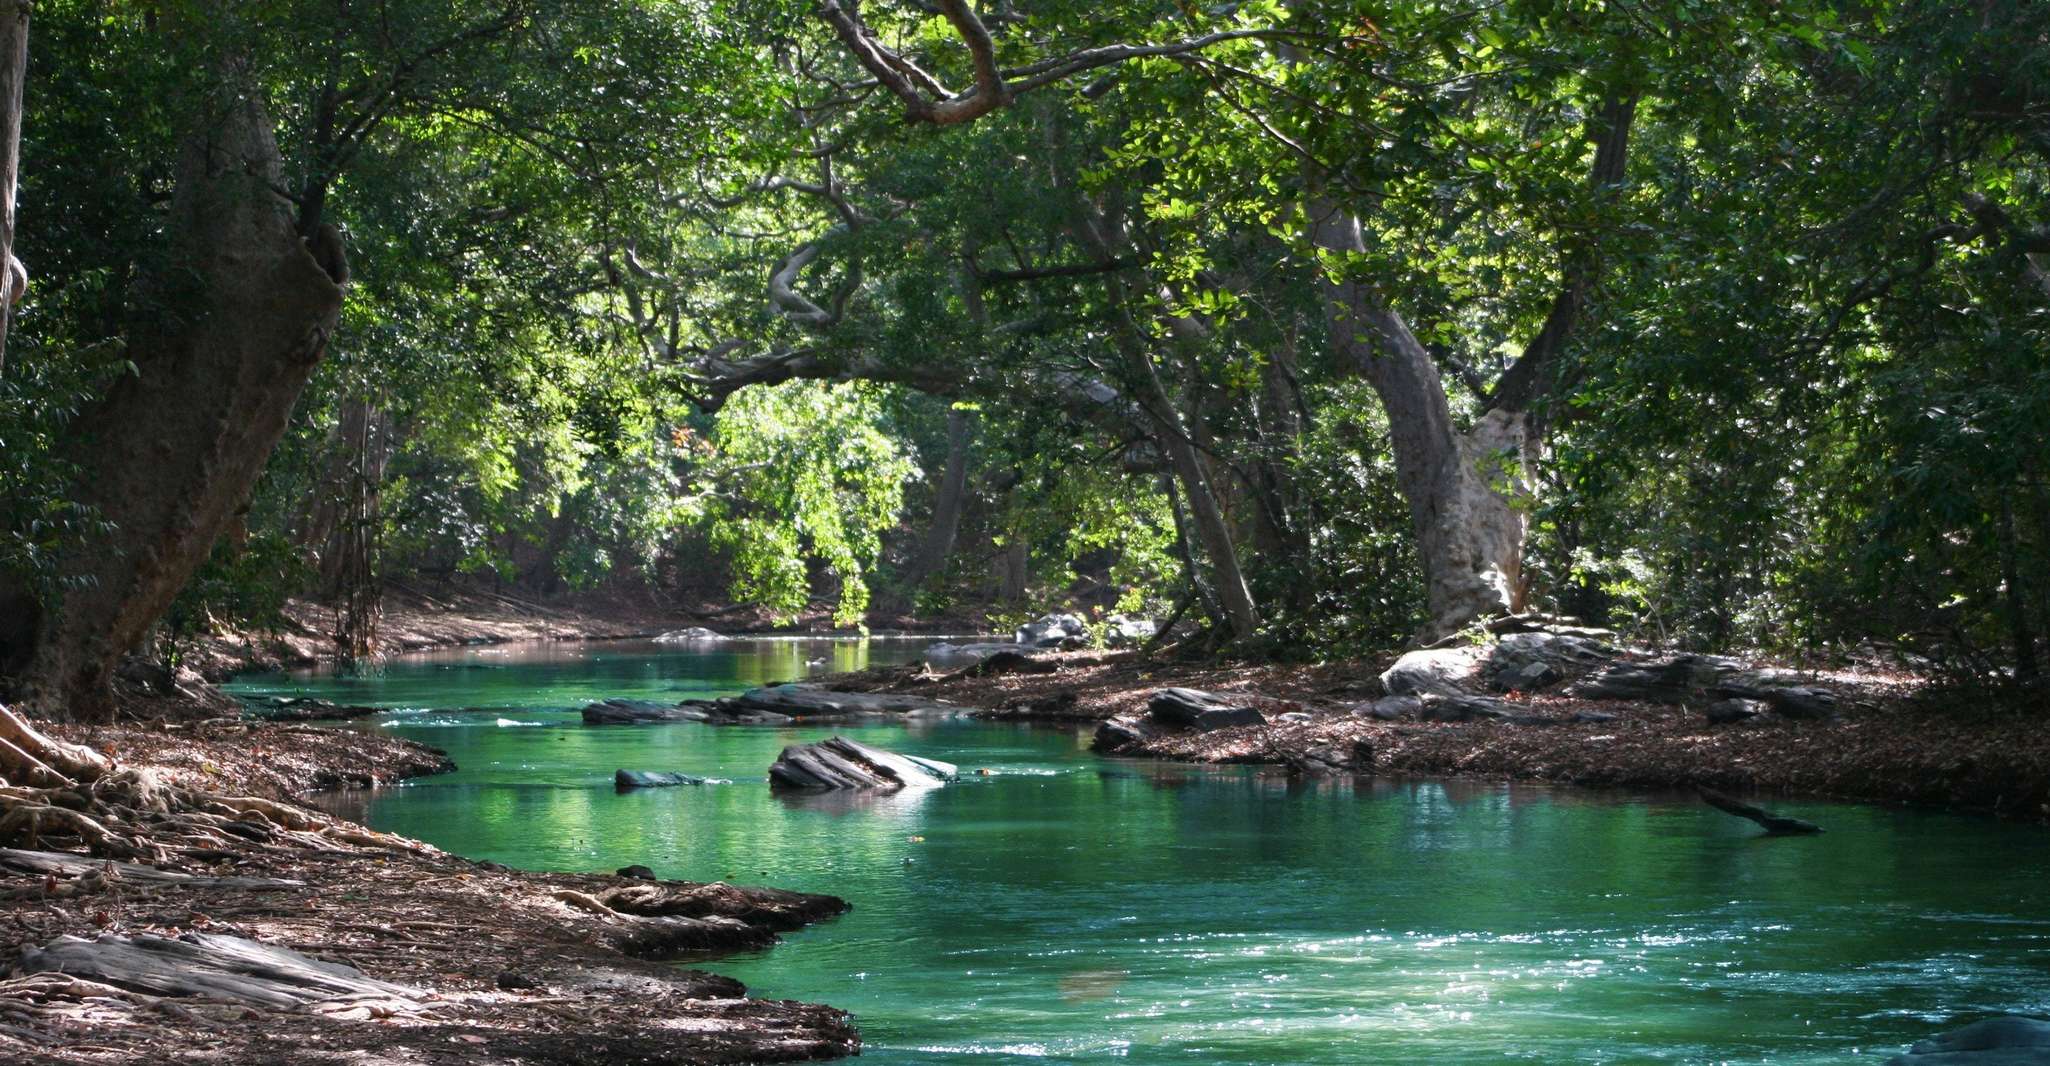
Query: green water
[1070, 907]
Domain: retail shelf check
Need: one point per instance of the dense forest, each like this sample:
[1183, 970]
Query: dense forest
[1643, 394]
[1328, 324]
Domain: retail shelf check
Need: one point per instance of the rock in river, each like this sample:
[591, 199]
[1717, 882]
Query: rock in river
[2008, 1040]
[841, 763]
[627, 779]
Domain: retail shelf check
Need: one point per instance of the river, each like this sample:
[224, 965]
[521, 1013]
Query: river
[1069, 907]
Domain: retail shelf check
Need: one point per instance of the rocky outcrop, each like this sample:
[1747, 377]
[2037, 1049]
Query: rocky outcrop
[1528, 662]
[635, 712]
[2008, 1040]
[1688, 678]
[838, 763]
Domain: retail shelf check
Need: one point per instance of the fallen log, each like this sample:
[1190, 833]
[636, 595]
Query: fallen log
[1774, 824]
[228, 968]
[63, 864]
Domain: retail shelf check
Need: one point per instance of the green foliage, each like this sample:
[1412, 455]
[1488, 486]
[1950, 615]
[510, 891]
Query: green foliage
[807, 475]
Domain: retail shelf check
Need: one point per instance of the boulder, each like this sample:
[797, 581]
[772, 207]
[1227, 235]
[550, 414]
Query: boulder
[1526, 662]
[631, 779]
[1334, 758]
[1189, 708]
[1459, 707]
[841, 763]
[1442, 670]
[1120, 631]
[1725, 712]
[636, 872]
[944, 654]
[1390, 708]
[693, 635]
[1678, 679]
[1787, 701]
[1051, 631]
[2007, 1040]
[1117, 735]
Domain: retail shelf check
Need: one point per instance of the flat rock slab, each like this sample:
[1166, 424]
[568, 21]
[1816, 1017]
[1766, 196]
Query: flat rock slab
[1188, 708]
[841, 763]
[803, 702]
[229, 968]
[637, 712]
[2009, 1040]
[624, 780]
[947, 654]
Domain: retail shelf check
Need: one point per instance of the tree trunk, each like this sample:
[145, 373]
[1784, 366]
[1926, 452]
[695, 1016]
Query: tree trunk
[13, 72]
[1462, 488]
[169, 455]
[938, 544]
[1012, 568]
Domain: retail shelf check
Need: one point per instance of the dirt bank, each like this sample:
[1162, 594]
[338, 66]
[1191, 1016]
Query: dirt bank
[1892, 742]
[438, 615]
[494, 965]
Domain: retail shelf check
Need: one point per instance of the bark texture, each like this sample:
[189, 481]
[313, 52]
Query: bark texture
[1461, 486]
[232, 330]
[938, 544]
[13, 72]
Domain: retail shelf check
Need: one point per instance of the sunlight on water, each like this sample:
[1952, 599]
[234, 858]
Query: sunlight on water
[1076, 909]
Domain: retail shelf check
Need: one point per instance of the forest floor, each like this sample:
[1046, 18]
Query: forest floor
[1894, 740]
[495, 965]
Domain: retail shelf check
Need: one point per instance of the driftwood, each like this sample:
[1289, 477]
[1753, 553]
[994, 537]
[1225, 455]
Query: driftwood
[55, 864]
[218, 967]
[842, 763]
[1774, 824]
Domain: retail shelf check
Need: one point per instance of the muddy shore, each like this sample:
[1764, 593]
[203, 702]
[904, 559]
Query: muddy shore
[499, 965]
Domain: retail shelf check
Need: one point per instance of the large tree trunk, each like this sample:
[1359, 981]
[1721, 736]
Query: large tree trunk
[13, 72]
[233, 330]
[1463, 489]
[933, 550]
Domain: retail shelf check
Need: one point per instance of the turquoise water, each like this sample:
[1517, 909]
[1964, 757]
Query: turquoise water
[1068, 907]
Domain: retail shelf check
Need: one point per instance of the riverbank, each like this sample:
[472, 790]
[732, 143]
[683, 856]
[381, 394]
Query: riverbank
[1891, 742]
[472, 962]
[441, 615]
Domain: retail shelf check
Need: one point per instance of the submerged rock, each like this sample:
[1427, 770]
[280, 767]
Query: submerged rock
[2008, 1040]
[841, 763]
[635, 712]
[630, 779]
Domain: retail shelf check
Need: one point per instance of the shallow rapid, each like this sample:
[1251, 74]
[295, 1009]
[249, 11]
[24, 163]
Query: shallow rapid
[1067, 906]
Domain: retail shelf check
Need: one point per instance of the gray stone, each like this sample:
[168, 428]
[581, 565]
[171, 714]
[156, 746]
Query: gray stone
[1333, 758]
[1188, 707]
[693, 635]
[1526, 662]
[1292, 716]
[1675, 680]
[1120, 631]
[838, 762]
[945, 654]
[2007, 1040]
[1461, 708]
[1051, 631]
[630, 779]
[1391, 708]
[1441, 670]
[635, 712]
[1725, 712]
